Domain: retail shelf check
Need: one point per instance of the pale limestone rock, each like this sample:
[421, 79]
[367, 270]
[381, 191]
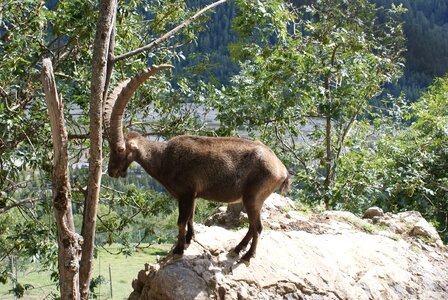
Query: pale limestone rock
[296, 215]
[325, 256]
[278, 203]
[424, 229]
[341, 215]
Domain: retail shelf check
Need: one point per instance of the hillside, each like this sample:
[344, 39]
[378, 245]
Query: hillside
[328, 255]
[425, 27]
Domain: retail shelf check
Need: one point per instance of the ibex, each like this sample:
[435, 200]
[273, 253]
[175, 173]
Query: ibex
[221, 169]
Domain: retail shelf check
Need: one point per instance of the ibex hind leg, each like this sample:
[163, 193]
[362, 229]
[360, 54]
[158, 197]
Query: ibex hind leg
[255, 223]
[255, 227]
[186, 204]
[244, 242]
[190, 231]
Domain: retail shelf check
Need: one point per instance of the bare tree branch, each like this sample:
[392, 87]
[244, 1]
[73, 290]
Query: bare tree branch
[19, 203]
[110, 57]
[169, 33]
[78, 136]
[5, 95]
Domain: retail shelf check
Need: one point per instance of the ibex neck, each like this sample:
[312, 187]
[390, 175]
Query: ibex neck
[149, 156]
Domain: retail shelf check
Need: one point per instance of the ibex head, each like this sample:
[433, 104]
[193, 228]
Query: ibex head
[123, 148]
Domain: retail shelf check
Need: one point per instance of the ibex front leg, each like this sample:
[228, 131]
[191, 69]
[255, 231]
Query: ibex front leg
[186, 208]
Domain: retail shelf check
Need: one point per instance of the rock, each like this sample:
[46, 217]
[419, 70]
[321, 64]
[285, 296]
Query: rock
[340, 215]
[320, 256]
[372, 212]
[222, 209]
[293, 214]
[286, 287]
[409, 217]
[243, 294]
[177, 282]
[278, 203]
[424, 229]
[392, 225]
[234, 215]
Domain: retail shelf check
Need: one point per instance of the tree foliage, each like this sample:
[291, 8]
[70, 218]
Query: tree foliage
[304, 93]
[416, 175]
[63, 31]
[425, 27]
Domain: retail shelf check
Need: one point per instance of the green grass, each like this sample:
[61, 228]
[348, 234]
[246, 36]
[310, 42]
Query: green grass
[123, 270]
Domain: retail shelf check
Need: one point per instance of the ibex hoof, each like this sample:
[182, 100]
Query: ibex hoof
[176, 257]
[246, 258]
[245, 262]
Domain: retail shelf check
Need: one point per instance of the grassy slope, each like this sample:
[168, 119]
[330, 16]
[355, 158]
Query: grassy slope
[123, 270]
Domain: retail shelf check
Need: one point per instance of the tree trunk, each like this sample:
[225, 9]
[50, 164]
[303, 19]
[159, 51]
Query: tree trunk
[99, 70]
[328, 146]
[234, 210]
[329, 161]
[69, 242]
[329, 151]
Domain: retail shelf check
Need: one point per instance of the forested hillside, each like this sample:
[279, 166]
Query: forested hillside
[426, 30]
[425, 27]
[210, 54]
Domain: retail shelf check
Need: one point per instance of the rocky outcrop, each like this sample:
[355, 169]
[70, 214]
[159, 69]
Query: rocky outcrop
[330, 255]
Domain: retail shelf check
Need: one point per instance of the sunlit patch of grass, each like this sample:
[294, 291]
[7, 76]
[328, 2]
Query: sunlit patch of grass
[122, 269]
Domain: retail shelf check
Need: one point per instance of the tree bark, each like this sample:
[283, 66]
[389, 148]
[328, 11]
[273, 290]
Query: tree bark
[234, 211]
[69, 242]
[329, 152]
[329, 159]
[99, 71]
[19, 203]
[330, 167]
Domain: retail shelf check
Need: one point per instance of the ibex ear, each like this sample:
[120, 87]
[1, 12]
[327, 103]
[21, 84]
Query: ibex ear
[132, 145]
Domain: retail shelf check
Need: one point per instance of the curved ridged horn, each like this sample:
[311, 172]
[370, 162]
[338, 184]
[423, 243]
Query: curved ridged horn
[117, 101]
